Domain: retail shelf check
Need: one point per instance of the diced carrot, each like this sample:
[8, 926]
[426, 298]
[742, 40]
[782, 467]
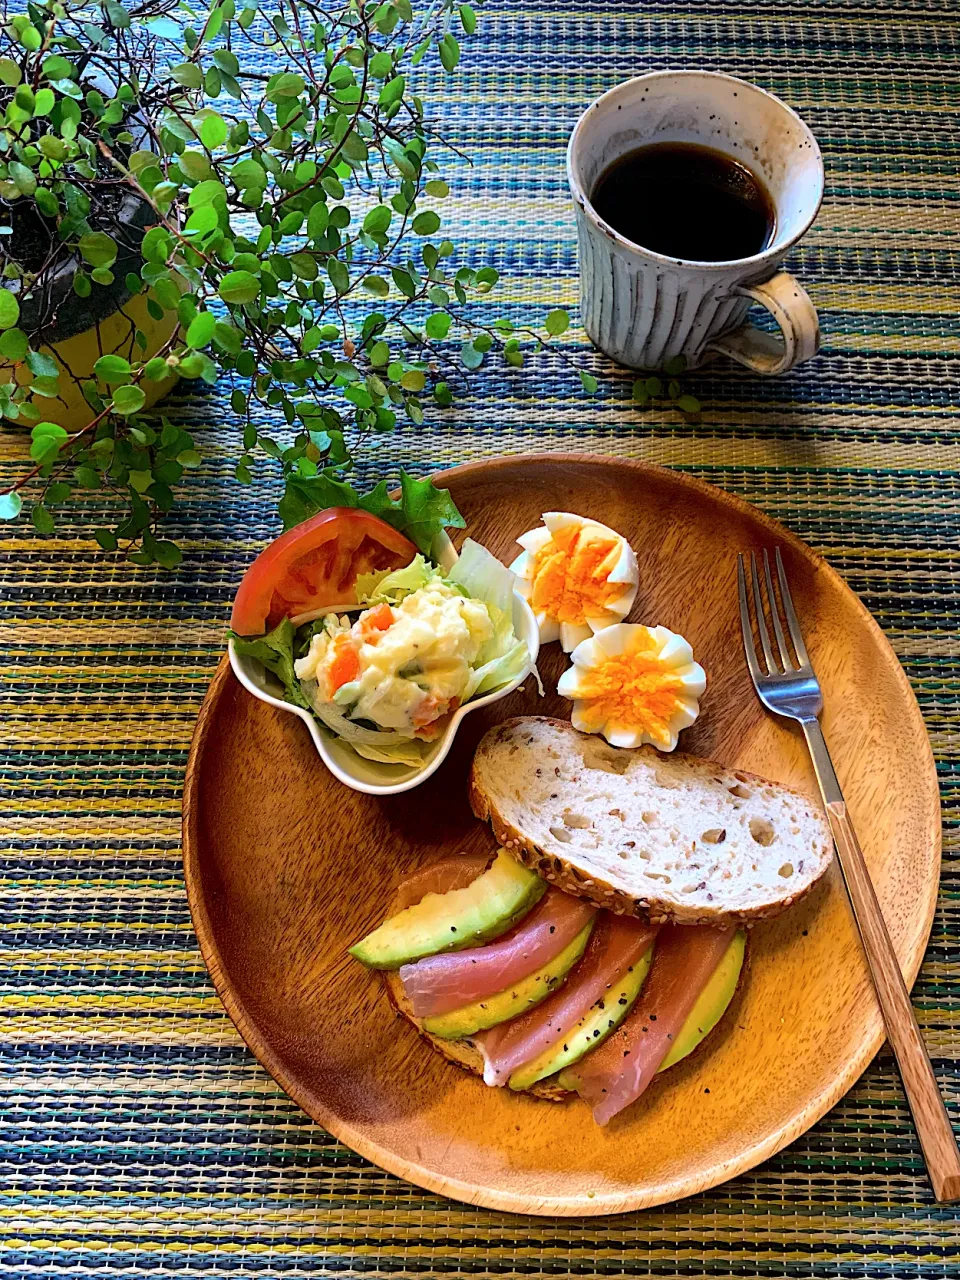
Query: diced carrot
[344, 667]
[377, 619]
[432, 715]
[427, 710]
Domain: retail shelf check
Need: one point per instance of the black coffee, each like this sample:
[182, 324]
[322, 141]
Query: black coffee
[686, 201]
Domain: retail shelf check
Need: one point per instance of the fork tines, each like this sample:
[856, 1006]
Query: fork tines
[767, 604]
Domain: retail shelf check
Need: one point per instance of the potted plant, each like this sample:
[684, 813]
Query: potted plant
[248, 193]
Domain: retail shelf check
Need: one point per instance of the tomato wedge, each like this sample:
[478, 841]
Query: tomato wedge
[316, 564]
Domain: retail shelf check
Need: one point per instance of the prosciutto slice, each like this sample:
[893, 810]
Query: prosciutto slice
[616, 1073]
[440, 984]
[617, 943]
[454, 872]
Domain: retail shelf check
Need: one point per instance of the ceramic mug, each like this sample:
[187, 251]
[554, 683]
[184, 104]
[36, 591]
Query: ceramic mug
[643, 308]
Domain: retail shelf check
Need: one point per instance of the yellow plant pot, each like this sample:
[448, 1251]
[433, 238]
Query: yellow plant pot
[79, 352]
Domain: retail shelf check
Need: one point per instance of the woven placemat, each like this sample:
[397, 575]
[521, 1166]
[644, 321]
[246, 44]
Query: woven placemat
[138, 1137]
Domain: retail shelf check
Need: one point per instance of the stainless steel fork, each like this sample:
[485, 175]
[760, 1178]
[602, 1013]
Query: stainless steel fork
[787, 685]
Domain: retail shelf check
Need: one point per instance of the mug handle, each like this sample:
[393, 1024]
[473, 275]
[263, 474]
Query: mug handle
[789, 304]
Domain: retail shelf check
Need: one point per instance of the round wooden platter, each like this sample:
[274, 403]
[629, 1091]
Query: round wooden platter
[285, 868]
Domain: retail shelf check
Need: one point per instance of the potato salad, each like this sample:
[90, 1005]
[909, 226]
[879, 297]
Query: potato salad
[387, 676]
[402, 666]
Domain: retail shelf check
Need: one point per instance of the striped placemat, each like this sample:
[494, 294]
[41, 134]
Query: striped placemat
[138, 1137]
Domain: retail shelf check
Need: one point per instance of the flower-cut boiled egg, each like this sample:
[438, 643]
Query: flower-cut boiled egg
[578, 575]
[634, 684]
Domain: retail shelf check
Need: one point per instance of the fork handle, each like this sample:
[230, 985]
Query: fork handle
[930, 1117]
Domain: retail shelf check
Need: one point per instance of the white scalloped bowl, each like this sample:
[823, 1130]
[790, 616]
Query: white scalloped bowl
[369, 775]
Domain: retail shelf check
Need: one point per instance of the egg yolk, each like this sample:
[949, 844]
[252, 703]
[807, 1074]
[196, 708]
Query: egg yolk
[569, 578]
[633, 689]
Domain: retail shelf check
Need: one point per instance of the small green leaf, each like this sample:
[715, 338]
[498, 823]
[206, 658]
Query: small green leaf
[202, 221]
[239, 287]
[112, 369]
[392, 91]
[426, 223]
[443, 395]
[470, 356]
[304, 266]
[339, 275]
[413, 380]
[106, 539]
[97, 248]
[9, 309]
[187, 74]
[377, 219]
[588, 382]
[437, 325]
[127, 400]
[42, 366]
[213, 132]
[117, 14]
[449, 51]
[675, 366]
[379, 354]
[376, 285]
[437, 188]
[557, 322]
[168, 554]
[201, 329]
[689, 404]
[25, 99]
[189, 458]
[10, 503]
[317, 220]
[404, 282]
[13, 344]
[228, 337]
[43, 521]
[10, 75]
[468, 19]
[654, 386]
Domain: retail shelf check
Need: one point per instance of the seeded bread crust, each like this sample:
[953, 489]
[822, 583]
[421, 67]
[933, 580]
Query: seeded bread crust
[462, 1052]
[575, 871]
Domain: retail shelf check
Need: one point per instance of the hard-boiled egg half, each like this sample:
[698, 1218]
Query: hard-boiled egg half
[634, 684]
[578, 575]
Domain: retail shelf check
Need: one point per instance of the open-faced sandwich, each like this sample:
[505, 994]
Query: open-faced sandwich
[605, 938]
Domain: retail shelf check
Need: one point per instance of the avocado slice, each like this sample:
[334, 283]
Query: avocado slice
[514, 1000]
[451, 921]
[710, 1006]
[592, 1029]
[711, 1003]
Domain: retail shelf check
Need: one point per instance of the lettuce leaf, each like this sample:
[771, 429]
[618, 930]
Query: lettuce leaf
[408, 753]
[482, 576]
[275, 651]
[391, 585]
[420, 513]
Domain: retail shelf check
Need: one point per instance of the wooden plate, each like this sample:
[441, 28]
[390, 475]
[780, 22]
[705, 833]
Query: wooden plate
[285, 867]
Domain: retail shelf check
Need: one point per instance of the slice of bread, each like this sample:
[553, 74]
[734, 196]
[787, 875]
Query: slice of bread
[669, 837]
[463, 1052]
